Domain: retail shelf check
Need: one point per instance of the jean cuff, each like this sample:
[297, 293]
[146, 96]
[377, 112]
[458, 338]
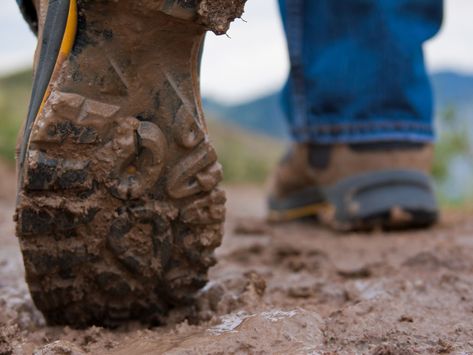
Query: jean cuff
[364, 132]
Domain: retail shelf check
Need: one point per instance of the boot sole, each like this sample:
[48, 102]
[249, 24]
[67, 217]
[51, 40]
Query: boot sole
[118, 210]
[391, 200]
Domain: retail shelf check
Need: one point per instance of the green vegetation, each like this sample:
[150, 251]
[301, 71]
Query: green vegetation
[454, 141]
[14, 97]
[245, 157]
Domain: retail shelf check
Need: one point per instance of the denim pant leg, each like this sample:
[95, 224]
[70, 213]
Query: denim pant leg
[357, 69]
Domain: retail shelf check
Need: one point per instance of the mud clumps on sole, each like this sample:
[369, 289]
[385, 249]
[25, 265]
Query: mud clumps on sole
[214, 15]
[217, 15]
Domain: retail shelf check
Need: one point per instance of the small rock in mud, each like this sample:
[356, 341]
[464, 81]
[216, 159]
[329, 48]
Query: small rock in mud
[225, 296]
[406, 319]
[91, 336]
[443, 347]
[389, 349]
[256, 283]
[300, 291]
[59, 347]
[251, 226]
[285, 250]
[328, 292]
[209, 301]
[363, 272]
[213, 293]
[299, 285]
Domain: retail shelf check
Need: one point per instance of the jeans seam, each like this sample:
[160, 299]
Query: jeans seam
[295, 25]
[372, 132]
[351, 139]
[365, 125]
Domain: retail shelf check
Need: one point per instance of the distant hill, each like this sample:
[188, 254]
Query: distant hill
[452, 89]
[264, 115]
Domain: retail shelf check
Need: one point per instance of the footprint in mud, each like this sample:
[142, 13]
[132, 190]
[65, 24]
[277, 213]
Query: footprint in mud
[297, 259]
[451, 259]
[251, 227]
[248, 253]
[302, 286]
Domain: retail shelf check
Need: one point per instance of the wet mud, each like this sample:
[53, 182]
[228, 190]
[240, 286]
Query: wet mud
[294, 289]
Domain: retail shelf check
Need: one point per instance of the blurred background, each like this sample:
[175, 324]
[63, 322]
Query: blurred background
[242, 74]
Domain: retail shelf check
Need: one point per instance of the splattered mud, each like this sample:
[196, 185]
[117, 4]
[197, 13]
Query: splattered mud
[294, 289]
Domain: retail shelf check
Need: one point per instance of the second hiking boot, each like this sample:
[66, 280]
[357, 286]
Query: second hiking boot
[354, 187]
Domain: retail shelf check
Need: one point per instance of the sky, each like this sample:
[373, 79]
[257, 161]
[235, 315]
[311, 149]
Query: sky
[252, 59]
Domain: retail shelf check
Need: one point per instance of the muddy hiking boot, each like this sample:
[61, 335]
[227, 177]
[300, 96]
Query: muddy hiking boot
[356, 187]
[118, 210]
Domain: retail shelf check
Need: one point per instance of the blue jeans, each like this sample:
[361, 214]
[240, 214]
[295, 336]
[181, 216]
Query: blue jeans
[357, 69]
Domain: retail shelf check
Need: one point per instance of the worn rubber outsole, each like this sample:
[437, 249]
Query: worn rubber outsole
[118, 210]
[391, 200]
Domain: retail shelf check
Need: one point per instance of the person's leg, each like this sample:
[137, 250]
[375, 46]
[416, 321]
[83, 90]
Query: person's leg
[358, 76]
[357, 69]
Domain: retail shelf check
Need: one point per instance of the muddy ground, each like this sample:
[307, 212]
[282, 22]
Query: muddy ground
[294, 289]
